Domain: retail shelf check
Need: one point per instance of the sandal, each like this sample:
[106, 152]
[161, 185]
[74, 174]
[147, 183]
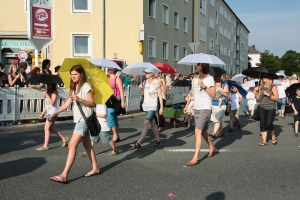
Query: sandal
[262, 144]
[65, 143]
[113, 152]
[135, 146]
[274, 142]
[220, 134]
[213, 135]
[156, 144]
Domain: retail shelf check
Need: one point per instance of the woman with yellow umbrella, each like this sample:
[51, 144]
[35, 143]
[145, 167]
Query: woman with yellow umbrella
[82, 88]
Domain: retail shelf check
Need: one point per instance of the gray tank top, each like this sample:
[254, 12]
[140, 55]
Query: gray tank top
[266, 102]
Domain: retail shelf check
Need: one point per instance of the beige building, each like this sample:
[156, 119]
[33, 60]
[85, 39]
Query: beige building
[130, 31]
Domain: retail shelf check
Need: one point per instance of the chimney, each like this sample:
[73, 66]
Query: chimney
[253, 46]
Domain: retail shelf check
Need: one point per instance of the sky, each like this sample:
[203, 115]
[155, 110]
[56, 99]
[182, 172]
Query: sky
[274, 25]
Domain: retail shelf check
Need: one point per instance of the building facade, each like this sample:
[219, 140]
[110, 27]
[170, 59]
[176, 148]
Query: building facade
[130, 31]
[254, 54]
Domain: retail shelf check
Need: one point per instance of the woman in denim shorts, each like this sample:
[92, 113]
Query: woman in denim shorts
[82, 92]
[151, 91]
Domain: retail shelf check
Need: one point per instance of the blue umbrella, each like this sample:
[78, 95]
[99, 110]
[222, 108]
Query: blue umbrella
[241, 90]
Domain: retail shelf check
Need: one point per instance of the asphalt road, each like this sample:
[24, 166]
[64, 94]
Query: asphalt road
[240, 170]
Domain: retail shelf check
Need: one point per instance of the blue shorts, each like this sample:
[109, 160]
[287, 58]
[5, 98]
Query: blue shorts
[112, 118]
[281, 103]
[53, 119]
[297, 117]
[150, 114]
[104, 136]
[81, 128]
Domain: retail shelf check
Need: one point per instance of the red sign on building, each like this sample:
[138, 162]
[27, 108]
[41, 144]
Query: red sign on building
[41, 22]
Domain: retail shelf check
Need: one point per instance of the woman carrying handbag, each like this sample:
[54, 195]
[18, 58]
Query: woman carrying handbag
[267, 95]
[80, 91]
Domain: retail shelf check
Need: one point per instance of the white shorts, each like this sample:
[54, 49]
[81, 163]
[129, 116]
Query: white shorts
[251, 106]
[217, 113]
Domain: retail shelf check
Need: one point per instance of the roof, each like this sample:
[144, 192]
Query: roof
[252, 50]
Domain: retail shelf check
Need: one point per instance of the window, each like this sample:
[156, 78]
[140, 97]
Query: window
[165, 14]
[211, 22]
[202, 31]
[217, 17]
[229, 18]
[221, 29]
[225, 13]
[165, 50]
[185, 24]
[152, 8]
[221, 10]
[151, 50]
[81, 6]
[234, 40]
[212, 3]
[203, 7]
[185, 53]
[234, 23]
[211, 45]
[186, 1]
[176, 20]
[82, 45]
[176, 51]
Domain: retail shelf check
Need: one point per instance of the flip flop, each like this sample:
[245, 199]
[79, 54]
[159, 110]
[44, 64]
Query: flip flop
[89, 174]
[190, 163]
[58, 180]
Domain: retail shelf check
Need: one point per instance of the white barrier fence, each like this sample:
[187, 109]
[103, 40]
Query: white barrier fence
[27, 103]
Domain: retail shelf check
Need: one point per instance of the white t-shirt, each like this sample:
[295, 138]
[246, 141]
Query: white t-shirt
[168, 80]
[234, 99]
[202, 100]
[102, 109]
[281, 89]
[150, 95]
[86, 110]
[251, 98]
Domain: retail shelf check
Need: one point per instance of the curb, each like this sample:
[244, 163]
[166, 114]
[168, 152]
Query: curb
[58, 123]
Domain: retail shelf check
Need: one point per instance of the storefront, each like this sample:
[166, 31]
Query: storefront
[11, 49]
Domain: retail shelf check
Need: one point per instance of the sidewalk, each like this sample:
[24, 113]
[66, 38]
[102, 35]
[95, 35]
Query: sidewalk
[59, 123]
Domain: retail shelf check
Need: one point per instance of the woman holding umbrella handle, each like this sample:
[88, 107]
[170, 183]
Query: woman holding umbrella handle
[81, 91]
[267, 95]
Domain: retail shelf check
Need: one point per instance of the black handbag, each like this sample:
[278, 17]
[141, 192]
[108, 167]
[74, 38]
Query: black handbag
[256, 114]
[91, 122]
[228, 108]
[113, 102]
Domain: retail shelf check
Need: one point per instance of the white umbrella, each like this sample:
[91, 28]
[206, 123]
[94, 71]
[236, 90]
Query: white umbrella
[281, 74]
[238, 78]
[193, 59]
[138, 68]
[103, 62]
[251, 83]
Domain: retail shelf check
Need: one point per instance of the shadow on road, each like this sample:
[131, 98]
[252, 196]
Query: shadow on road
[19, 167]
[216, 196]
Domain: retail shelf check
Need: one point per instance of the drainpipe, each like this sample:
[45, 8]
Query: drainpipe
[103, 30]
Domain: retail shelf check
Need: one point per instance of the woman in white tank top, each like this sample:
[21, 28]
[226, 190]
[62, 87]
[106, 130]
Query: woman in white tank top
[50, 107]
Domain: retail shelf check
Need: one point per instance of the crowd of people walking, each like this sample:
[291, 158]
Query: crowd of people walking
[208, 101]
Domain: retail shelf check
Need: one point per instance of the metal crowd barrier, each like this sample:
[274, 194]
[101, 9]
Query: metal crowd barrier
[27, 103]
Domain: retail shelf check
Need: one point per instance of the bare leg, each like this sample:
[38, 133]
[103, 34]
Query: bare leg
[91, 153]
[57, 132]
[216, 127]
[75, 139]
[115, 132]
[296, 126]
[198, 135]
[113, 145]
[144, 131]
[231, 122]
[209, 142]
[47, 133]
[264, 137]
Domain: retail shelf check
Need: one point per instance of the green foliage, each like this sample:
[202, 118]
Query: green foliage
[269, 61]
[290, 63]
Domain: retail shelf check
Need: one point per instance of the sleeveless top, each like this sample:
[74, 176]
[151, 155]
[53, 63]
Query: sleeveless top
[18, 82]
[215, 100]
[114, 86]
[266, 102]
[50, 109]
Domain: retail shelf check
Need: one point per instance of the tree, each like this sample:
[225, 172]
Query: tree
[269, 61]
[290, 63]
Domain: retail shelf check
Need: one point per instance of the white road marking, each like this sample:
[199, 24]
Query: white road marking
[193, 150]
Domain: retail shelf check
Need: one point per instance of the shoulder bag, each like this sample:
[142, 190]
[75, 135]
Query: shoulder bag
[91, 122]
[256, 111]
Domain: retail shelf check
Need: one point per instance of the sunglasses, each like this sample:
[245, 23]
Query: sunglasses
[109, 69]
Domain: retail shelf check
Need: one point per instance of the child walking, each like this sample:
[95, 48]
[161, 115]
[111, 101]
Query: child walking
[51, 95]
[235, 98]
[296, 108]
[251, 101]
[101, 113]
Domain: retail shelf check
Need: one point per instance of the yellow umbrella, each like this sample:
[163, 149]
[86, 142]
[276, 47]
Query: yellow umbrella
[95, 76]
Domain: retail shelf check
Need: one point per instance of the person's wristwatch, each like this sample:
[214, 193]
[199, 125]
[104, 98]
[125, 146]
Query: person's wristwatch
[204, 88]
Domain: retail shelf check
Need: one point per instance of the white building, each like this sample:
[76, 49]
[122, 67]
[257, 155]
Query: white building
[254, 54]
